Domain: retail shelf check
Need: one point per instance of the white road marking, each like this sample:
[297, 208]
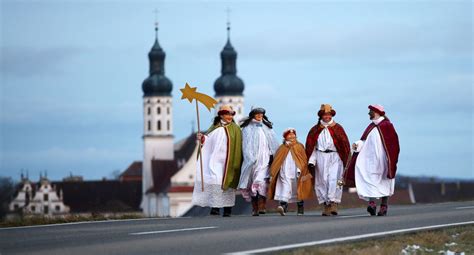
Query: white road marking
[348, 238]
[465, 207]
[354, 216]
[86, 222]
[169, 231]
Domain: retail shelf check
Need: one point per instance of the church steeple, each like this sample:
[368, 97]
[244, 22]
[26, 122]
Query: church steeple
[157, 56]
[157, 84]
[228, 84]
[228, 56]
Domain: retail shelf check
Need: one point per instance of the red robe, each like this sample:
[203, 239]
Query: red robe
[338, 136]
[390, 143]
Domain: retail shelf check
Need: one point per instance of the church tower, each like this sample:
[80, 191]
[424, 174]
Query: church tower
[229, 87]
[157, 118]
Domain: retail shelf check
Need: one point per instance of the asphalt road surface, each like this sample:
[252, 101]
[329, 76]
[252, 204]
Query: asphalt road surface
[217, 235]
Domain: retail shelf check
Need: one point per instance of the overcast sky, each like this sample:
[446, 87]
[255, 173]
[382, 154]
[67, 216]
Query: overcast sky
[71, 75]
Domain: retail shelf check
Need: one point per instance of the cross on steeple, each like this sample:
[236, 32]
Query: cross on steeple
[228, 22]
[156, 21]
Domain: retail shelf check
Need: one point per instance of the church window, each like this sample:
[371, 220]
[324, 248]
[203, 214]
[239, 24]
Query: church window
[158, 110]
[45, 197]
[149, 111]
[149, 125]
[159, 125]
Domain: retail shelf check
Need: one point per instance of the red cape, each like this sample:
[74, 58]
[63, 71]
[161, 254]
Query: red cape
[390, 143]
[338, 136]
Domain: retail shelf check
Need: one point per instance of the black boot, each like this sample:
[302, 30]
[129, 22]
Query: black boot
[372, 208]
[300, 208]
[262, 201]
[214, 211]
[227, 211]
[383, 210]
[255, 206]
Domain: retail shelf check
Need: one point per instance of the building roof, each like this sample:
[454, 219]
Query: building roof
[133, 170]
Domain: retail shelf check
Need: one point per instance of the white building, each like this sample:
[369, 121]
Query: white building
[168, 169]
[39, 199]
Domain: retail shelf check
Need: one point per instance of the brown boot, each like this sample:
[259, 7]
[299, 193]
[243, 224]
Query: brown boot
[254, 206]
[262, 201]
[333, 208]
[326, 209]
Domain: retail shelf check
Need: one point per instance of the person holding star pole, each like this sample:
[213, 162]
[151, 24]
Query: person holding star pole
[219, 155]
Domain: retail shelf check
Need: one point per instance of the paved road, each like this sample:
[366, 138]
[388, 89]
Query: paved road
[217, 235]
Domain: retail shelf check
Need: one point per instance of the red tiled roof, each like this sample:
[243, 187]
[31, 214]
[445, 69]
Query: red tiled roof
[162, 171]
[134, 170]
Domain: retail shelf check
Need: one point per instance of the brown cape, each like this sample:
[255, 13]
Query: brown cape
[338, 135]
[305, 186]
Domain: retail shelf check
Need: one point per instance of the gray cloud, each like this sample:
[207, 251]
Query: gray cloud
[29, 61]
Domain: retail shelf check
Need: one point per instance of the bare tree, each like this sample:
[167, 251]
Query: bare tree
[7, 190]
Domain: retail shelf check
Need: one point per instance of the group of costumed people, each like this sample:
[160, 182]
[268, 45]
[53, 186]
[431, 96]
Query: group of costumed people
[250, 158]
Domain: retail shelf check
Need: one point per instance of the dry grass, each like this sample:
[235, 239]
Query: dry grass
[41, 220]
[429, 242]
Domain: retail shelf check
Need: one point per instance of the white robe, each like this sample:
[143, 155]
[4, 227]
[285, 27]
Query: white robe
[286, 189]
[371, 167]
[258, 143]
[214, 152]
[329, 168]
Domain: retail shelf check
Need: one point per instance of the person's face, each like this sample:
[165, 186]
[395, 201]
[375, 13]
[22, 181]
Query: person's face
[291, 137]
[258, 117]
[326, 117]
[227, 118]
[373, 115]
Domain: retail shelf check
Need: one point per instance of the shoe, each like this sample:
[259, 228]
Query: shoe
[214, 211]
[262, 205]
[300, 208]
[372, 208]
[326, 210]
[254, 206]
[227, 211]
[281, 210]
[333, 208]
[383, 210]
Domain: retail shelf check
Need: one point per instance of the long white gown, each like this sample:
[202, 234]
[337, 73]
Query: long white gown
[329, 168]
[371, 167]
[287, 183]
[214, 153]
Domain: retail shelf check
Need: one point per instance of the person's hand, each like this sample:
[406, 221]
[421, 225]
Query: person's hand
[200, 137]
[271, 160]
[354, 146]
